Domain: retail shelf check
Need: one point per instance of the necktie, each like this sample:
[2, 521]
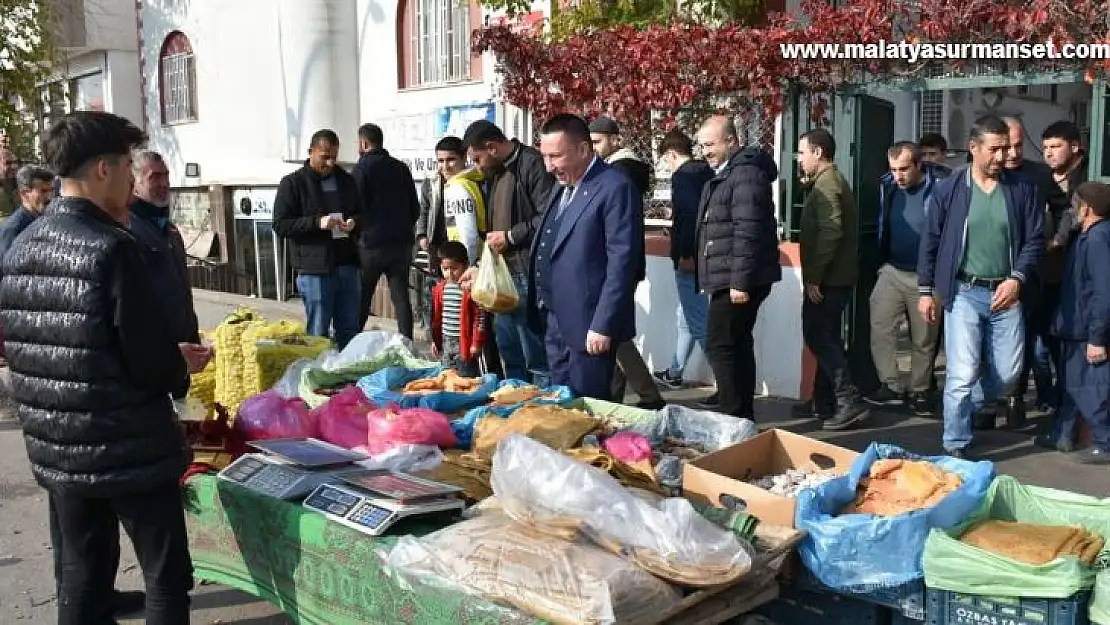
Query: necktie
[568, 193]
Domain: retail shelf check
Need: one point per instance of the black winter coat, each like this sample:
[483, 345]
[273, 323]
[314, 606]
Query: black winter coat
[737, 231]
[298, 207]
[93, 363]
[389, 207]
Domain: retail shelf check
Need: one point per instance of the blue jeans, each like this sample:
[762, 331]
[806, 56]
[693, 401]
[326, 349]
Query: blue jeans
[521, 350]
[693, 307]
[332, 299]
[974, 336]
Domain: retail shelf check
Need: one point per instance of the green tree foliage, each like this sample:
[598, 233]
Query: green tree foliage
[26, 52]
[585, 16]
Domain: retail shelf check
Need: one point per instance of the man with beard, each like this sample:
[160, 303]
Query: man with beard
[518, 185]
[631, 369]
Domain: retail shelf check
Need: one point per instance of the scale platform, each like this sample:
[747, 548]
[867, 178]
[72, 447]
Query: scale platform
[292, 467]
[373, 502]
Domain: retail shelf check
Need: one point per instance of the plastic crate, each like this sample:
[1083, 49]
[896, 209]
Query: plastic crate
[907, 599]
[799, 606]
[952, 608]
[897, 618]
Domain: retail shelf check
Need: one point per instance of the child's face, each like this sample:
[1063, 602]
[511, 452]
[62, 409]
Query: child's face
[452, 269]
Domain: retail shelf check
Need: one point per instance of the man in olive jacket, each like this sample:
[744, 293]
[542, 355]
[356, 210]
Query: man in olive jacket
[829, 241]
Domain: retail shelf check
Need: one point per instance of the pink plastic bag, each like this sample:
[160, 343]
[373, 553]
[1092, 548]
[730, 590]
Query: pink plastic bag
[392, 426]
[269, 415]
[628, 447]
[342, 419]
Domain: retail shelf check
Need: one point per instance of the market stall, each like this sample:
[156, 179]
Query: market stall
[373, 486]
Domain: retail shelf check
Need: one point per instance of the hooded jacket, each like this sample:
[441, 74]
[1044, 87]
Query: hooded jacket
[464, 211]
[637, 170]
[737, 231]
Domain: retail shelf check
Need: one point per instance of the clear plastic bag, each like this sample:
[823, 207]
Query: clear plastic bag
[548, 489]
[556, 580]
[269, 415]
[493, 287]
[706, 431]
[406, 458]
[392, 426]
[290, 383]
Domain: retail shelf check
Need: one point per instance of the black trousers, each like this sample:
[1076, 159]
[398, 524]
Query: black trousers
[823, 332]
[87, 540]
[731, 350]
[394, 264]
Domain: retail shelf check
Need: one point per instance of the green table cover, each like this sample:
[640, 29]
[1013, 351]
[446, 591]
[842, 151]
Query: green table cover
[315, 570]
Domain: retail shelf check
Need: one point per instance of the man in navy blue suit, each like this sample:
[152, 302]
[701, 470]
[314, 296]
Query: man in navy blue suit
[583, 260]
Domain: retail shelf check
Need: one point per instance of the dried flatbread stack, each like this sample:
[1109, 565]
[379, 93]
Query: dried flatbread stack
[447, 380]
[465, 470]
[896, 487]
[556, 427]
[557, 580]
[639, 474]
[1034, 544]
[511, 395]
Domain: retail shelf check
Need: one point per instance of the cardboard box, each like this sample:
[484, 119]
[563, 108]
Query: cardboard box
[771, 452]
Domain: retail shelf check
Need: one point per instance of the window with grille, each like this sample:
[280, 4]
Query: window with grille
[440, 41]
[931, 118]
[177, 78]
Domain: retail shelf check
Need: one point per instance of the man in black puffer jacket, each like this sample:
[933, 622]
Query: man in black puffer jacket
[737, 258]
[93, 366]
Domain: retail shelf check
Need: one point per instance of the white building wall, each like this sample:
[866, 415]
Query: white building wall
[268, 74]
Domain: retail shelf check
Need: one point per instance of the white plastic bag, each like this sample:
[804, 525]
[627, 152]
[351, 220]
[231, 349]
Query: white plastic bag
[493, 287]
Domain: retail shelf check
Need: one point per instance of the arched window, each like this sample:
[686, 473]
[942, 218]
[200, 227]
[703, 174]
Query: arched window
[433, 42]
[177, 79]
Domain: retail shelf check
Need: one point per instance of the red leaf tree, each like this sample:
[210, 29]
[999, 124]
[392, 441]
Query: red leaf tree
[630, 73]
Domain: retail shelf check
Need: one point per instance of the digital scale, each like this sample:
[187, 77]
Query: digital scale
[291, 468]
[373, 502]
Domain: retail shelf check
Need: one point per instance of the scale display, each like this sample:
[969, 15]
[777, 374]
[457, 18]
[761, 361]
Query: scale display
[401, 487]
[271, 478]
[369, 514]
[308, 452]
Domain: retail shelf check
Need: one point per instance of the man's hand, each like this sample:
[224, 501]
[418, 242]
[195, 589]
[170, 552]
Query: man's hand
[736, 296]
[474, 351]
[466, 280]
[498, 241]
[686, 265]
[1006, 295]
[196, 356]
[813, 293]
[927, 307]
[327, 222]
[347, 225]
[423, 243]
[596, 343]
[1096, 354]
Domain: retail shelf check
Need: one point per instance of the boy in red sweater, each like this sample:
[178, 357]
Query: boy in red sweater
[457, 322]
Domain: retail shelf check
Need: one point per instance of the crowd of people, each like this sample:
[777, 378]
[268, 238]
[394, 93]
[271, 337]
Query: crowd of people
[998, 259]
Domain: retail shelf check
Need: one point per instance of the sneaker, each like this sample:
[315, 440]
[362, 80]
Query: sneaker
[709, 403]
[1013, 410]
[958, 454]
[666, 380]
[1093, 455]
[921, 406]
[1047, 441]
[886, 396]
[848, 417]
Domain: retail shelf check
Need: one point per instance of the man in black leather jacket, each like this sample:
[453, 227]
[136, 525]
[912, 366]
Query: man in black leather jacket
[93, 366]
